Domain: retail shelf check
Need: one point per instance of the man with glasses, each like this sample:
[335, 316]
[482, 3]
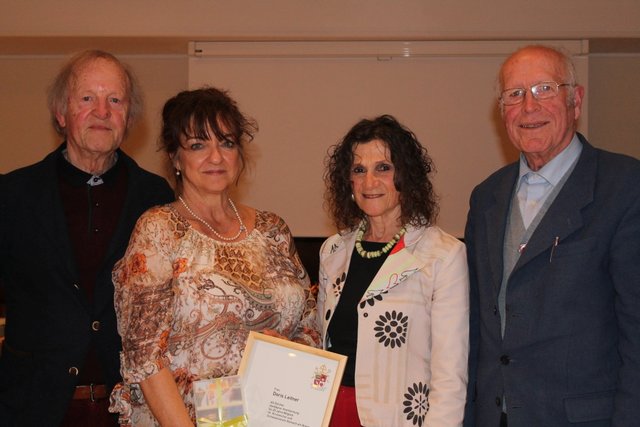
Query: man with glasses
[553, 246]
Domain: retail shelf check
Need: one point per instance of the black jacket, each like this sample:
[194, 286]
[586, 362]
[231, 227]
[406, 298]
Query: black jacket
[49, 319]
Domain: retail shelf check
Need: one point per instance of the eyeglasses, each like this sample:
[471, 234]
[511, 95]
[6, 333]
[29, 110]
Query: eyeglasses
[540, 91]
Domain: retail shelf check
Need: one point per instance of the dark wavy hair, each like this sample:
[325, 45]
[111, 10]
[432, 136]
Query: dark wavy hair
[411, 162]
[193, 112]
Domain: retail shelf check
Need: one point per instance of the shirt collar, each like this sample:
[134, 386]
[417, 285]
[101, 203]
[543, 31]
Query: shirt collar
[78, 177]
[553, 171]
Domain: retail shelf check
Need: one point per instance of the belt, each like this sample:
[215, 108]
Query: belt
[91, 392]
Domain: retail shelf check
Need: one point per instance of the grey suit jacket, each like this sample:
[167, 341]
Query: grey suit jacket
[571, 350]
[49, 320]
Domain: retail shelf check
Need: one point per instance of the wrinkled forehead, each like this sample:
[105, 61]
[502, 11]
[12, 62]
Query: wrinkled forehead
[531, 66]
[97, 70]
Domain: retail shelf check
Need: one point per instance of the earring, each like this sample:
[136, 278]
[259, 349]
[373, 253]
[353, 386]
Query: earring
[353, 197]
[177, 172]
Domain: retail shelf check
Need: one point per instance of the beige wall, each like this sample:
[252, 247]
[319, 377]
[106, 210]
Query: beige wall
[152, 35]
[277, 19]
[614, 107]
[26, 135]
[306, 95]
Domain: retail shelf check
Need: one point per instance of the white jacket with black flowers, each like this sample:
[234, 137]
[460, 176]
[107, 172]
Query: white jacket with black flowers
[411, 363]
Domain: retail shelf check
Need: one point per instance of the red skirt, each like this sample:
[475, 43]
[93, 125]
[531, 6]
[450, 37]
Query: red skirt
[345, 410]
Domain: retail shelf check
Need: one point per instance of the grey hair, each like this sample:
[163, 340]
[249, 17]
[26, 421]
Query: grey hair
[58, 92]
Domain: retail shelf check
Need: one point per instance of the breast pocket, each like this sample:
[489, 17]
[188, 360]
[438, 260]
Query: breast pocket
[578, 249]
[590, 407]
[571, 261]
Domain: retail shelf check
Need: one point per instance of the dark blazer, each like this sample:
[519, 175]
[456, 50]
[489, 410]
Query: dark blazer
[49, 319]
[571, 350]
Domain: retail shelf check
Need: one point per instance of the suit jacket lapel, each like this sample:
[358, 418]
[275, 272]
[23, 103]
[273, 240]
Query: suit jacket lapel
[395, 270]
[496, 222]
[53, 223]
[51, 215]
[335, 266]
[564, 215]
[397, 267]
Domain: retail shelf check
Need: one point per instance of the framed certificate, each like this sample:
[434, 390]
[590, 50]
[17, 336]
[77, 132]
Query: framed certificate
[289, 384]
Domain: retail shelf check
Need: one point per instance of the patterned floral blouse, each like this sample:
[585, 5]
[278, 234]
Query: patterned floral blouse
[188, 302]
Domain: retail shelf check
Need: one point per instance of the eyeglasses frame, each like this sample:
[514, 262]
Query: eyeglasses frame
[534, 94]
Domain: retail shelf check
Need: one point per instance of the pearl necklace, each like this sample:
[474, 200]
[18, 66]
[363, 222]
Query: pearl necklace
[206, 224]
[384, 250]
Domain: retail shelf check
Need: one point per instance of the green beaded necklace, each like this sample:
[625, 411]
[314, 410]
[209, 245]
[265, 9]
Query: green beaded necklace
[375, 254]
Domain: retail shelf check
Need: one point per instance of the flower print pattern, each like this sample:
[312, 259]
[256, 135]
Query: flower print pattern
[391, 329]
[139, 264]
[372, 300]
[338, 284]
[180, 266]
[187, 302]
[427, 285]
[416, 403]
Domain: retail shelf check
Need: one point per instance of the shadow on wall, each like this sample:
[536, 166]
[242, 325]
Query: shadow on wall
[509, 153]
[309, 252]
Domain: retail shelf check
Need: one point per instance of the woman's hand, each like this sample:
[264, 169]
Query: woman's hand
[164, 400]
[274, 333]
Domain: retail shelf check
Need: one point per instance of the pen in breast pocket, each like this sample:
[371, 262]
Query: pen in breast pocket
[553, 248]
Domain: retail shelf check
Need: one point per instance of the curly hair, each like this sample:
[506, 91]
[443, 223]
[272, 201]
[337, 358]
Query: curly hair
[418, 201]
[194, 112]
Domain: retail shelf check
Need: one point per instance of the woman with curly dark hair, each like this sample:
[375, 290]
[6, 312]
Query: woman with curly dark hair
[393, 286]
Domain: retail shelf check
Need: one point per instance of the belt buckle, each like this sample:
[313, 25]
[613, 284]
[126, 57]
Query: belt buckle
[91, 393]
